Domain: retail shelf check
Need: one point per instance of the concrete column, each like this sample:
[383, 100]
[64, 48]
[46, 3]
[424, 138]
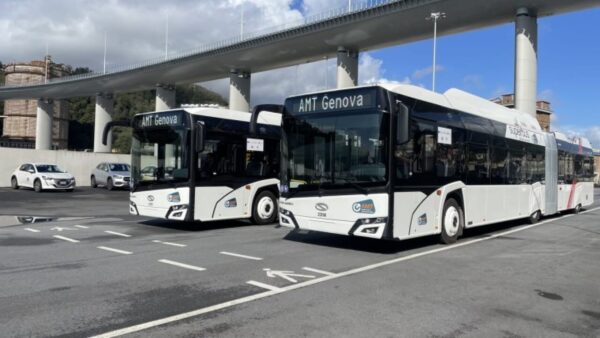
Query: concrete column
[347, 68]
[525, 61]
[239, 90]
[104, 109]
[165, 97]
[43, 124]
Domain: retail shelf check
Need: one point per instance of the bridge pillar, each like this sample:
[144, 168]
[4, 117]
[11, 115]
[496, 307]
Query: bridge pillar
[347, 68]
[239, 90]
[165, 97]
[104, 110]
[525, 61]
[43, 124]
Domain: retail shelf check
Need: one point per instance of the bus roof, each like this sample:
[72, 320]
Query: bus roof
[457, 99]
[460, 100]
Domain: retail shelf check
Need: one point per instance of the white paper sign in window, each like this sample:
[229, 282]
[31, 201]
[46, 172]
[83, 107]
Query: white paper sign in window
[444, 135]
[255, 144]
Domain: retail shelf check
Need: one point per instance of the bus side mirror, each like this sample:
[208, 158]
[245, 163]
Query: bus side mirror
[200, 136]
[402, 124]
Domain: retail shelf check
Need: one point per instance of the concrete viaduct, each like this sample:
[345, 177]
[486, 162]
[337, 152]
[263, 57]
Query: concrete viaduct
[342, 34]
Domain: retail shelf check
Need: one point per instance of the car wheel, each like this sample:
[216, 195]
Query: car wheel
[535, 217]
[264, 210]
[37, 186]
[109, 184]
[13, 183]
[452, 221]
[93, 182]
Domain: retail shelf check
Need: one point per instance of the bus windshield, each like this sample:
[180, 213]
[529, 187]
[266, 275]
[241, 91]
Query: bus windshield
[160, 155]
[337, 149]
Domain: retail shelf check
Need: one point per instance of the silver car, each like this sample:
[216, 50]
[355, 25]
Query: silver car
[111, 175]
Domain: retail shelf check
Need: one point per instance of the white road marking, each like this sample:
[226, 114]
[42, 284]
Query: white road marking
[287, 275]
[251, 298]
[182, 265]
[117, 233]
[327, 273]
[263, 285]
[66, 239]
[32, 230]
[240, 256]
[170, 243]
[81, 226]
[123, 252]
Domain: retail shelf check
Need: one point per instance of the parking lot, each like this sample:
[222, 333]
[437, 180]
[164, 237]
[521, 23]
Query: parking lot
[89, 268]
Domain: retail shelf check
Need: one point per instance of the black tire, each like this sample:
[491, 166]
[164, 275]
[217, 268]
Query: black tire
[535, 217]
[264, 208]
[37, 186]
[577, 209]
[450, 232]
[93, 182]
[109, 184]
[13, 183]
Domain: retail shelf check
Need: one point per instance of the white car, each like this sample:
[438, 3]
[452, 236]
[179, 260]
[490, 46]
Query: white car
[111, 175]
[42, 177]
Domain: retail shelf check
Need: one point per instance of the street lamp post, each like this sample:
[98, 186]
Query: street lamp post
[434, 16]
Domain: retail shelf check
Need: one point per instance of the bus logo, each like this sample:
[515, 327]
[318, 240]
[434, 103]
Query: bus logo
[321, 207]
[150, 198]
[364, 207]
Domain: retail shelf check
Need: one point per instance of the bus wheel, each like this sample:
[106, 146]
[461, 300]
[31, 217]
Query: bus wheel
[264, 210]
[577, 209]
[452, 221]
[535, 217]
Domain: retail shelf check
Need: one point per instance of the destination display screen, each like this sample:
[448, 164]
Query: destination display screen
[345, 100]
[159, 120]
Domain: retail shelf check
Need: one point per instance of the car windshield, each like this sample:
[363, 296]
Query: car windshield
[118, 167]
[48, 168]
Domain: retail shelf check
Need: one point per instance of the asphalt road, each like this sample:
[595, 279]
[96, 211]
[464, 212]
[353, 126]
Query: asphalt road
[93, 269]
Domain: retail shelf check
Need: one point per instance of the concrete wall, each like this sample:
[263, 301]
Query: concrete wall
[79, 164]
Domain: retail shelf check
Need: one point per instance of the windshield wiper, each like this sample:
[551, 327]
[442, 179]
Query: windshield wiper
[356, 186]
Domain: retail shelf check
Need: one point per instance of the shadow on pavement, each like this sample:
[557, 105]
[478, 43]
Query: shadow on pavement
[195, 226]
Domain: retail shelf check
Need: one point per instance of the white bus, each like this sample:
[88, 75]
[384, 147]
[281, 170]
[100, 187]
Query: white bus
[203, 164]
[399, 162]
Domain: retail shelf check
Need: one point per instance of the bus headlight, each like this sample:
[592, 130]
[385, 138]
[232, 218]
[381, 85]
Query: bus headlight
[372, 220]
[174, 197]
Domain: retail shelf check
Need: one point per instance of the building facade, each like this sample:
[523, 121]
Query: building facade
[20, 115]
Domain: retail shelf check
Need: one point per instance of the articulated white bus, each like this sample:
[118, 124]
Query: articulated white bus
[399, 161]
[203, 164]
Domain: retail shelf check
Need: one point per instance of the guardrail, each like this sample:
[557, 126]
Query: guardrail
[353, 6]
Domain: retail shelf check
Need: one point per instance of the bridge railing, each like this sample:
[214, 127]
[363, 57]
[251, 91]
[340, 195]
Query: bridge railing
[354, 6]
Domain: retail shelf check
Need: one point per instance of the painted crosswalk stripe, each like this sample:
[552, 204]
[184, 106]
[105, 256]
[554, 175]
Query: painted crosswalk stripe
[32, 230]
[240, 255]
[123, 252]
[170, 243]
[117, 233]
[81, 226]
[181, 265]
[263, 285]
[66, 239]
[327, 273]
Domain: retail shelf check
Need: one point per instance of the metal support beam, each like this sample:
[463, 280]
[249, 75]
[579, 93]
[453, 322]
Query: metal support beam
[43, 124]
[239, 90]
[104, 109]
[165, 97]
[347, 68]
[526, 61]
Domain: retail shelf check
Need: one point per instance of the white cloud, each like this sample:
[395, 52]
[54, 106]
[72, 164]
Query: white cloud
[421, 73]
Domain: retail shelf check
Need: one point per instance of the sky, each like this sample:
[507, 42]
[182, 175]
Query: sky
[480, 62]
